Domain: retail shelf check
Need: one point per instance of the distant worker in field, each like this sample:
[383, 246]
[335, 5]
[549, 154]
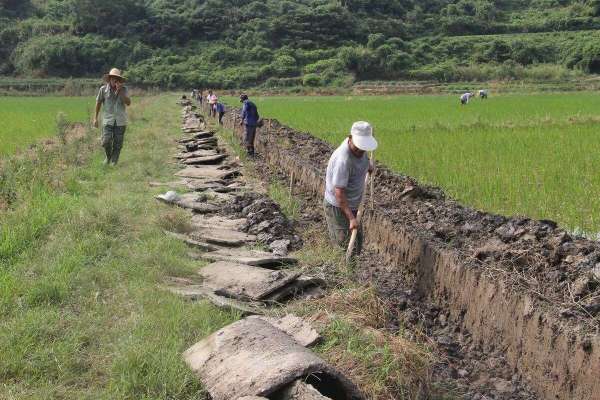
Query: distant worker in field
[113, 97]
[194, 94]
[345, 184]
[250, 120]
[200, 96]
[483, 94]
[220, 107]
[464, 99]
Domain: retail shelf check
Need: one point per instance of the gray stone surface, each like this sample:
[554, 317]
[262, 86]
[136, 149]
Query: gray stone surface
[217, 221]
[206, 172]
[222, 236]
[253, 358]
[296, 327]
[249, 257]
[205, 160]
[244, 282]
[300, 390]
[189, 201]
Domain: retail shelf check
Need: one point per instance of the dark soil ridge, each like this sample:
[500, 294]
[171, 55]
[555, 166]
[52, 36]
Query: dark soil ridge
[520, 286]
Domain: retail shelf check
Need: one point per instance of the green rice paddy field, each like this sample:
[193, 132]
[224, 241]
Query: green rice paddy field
[533, 155]
[23, 120]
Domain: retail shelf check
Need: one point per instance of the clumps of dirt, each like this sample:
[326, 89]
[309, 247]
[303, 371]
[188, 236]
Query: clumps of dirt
[264, 219]
[537, 256]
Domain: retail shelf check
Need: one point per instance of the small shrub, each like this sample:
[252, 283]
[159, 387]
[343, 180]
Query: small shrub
[312, 80]
[62, 126]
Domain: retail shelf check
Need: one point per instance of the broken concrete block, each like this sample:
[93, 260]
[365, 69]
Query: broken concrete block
[295, 288]
[253, 358]
[189, 201]
[216, 221]
[296, 327]
[249, 257]
[222, 236]
[205, 160]
[195, 291]
[194, 243]
[206, 172]
[280, 247]
[197, 153]
[243, 281]
[300, 390]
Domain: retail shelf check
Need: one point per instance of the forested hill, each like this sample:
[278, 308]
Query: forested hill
[233, 43]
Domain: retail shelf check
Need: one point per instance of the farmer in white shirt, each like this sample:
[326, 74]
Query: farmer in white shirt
[483, 94]
[345, 183]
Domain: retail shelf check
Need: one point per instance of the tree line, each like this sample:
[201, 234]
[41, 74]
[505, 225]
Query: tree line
[233, 43]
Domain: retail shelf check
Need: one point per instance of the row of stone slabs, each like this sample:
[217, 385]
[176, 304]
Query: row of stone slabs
[257, 357]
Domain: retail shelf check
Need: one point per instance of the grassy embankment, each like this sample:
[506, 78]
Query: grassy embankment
[533, 155]
[81, 256]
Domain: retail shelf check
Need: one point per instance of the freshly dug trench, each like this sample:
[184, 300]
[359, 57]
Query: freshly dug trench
[253, 358]
[522, 286]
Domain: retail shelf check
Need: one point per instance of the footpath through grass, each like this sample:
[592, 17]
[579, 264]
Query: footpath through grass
[27, 119]
[82, 254]
[532, 155]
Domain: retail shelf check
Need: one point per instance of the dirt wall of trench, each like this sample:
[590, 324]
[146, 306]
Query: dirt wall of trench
[521, 286]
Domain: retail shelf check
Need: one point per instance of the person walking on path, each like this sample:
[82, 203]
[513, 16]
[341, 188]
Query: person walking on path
[220, 107]
[249, 119]
[113, 99]
[345, 183]
[212, 103]
[464, 99]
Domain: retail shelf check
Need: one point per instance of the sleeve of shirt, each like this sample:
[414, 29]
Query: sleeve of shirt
[100, 96]
[340, 174]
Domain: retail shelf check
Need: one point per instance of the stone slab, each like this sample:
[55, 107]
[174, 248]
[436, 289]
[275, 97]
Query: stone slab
[194, 243]
[209, 221]
[300, 390]
[294, 289]
[194, 291]
[216, 159]
[190, 201]
[209, 171]
[222, 237]
[244, 282]
[253, 358]
[296, 327]
[197, 153]
[250, 257]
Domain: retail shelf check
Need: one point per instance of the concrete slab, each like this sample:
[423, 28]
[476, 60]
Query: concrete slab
[208, 221]
[243, 281]
[194, 243]
[253, 358]
[300, 390]
[222, 236]
[250, 257]
[189, 201]
[209, 171]
[296, 327]
[195, 291]
[193, 154]
[294, 289]
[205, 160]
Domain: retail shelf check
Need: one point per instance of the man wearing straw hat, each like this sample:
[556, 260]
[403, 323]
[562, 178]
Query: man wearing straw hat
[345, 184]
[114, 97]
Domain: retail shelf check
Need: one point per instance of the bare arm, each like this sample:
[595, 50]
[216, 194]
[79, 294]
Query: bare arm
[340, 196]
[95, 121]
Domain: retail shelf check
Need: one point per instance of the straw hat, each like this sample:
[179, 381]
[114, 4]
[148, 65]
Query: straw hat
[362, 136]
[116, 73]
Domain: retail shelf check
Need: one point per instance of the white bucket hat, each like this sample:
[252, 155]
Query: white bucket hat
[362, 136]
[116, 73]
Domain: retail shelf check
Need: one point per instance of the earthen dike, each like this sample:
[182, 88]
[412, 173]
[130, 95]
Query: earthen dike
[517, 285]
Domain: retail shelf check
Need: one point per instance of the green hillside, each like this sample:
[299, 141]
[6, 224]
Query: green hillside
[233, 43]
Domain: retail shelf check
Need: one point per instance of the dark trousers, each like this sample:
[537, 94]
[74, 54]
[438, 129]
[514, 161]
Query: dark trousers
[338, 227]
[221, 118]
[249, 136]
[112, 141]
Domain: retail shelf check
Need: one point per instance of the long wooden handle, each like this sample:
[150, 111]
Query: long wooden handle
[350, 248]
